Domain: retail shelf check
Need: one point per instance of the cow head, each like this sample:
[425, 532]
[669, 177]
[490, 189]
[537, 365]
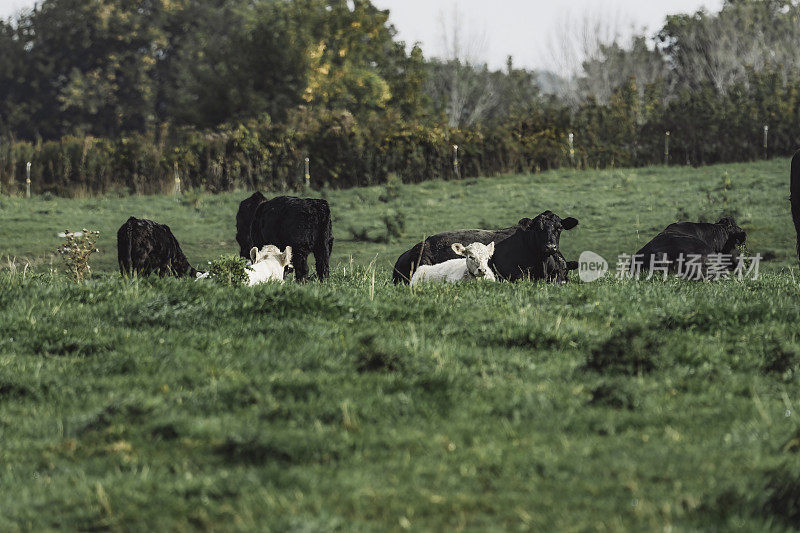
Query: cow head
[269, 263]
[244, 220]
[477, 256]
[544, 232]
[736, 235]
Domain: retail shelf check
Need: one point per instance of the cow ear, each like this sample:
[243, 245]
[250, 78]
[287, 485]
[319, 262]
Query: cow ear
[458, 248]
[491, 248]
[569, 222]
[287, 256]
[253, 254]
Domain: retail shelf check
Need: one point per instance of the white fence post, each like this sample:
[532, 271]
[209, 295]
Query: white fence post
[28, 180]
[572, 148]
[766, 138]
[456, 169]
[308, 174]
[666, 148]
[177, 179]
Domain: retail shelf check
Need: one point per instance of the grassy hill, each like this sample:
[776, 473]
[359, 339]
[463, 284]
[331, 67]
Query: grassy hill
[358, 405]
[619, 210]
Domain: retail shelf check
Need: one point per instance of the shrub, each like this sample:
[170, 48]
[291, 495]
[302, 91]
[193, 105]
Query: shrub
[395, 222]
[360, 234]
[395, 225]
[229, 269]
[391, 190]
[76, 250]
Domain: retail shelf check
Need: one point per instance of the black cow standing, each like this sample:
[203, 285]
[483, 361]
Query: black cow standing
[694, 239]
[302, 223]
[145, 247]
[794, 187]
[528, 250]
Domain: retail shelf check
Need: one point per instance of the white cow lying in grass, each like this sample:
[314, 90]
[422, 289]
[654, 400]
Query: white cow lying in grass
[268, 264]
[474, 265]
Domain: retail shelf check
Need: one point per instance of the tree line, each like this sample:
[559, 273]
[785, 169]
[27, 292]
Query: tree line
[129, 94]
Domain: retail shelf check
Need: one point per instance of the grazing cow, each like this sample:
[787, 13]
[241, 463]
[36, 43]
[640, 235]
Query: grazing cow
[698, 239]
[528, 250]
[302, 223]
[794, 187]
[269, 263]
[473, 265]
[244, 220]
[144, 247]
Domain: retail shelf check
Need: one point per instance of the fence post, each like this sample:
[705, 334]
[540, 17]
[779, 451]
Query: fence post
[177, 179]
[766, 138]
[308, 174]
[456, 170]
[572, 148]
[666, 149]
[28, 180]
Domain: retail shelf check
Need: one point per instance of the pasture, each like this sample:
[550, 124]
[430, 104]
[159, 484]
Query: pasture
[357, 405]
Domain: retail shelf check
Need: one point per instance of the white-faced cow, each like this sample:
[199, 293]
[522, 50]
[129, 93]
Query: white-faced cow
[528, 250]
[302, 223]
[794, 188]
[269, 263]
[473, 264]
[146, 247]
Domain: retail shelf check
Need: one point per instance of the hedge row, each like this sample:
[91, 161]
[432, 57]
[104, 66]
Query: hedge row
[345, 152]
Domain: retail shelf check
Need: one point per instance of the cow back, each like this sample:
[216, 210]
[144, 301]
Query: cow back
[301, 223]
[145, 247]
[438, 249]
[672, 245]
[721, 237]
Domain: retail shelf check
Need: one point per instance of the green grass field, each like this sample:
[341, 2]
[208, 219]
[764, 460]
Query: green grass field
[152, 404]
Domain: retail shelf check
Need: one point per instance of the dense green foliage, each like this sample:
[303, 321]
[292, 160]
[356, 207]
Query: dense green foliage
[354, 404]
[229, 269]
[118, 95]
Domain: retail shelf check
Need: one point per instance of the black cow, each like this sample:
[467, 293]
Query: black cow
[302, 223]
[720, 236]
[557, 269]
[527, 250]
[144, 247]
[693, 239]
[794, 187]
[244, 220]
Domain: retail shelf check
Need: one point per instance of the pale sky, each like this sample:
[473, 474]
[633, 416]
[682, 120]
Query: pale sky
[529, 30]
[526, 29]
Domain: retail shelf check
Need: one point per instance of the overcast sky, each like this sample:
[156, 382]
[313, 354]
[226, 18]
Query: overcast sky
[525, 29]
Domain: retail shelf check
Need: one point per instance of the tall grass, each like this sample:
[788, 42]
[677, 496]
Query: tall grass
[152, 403]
